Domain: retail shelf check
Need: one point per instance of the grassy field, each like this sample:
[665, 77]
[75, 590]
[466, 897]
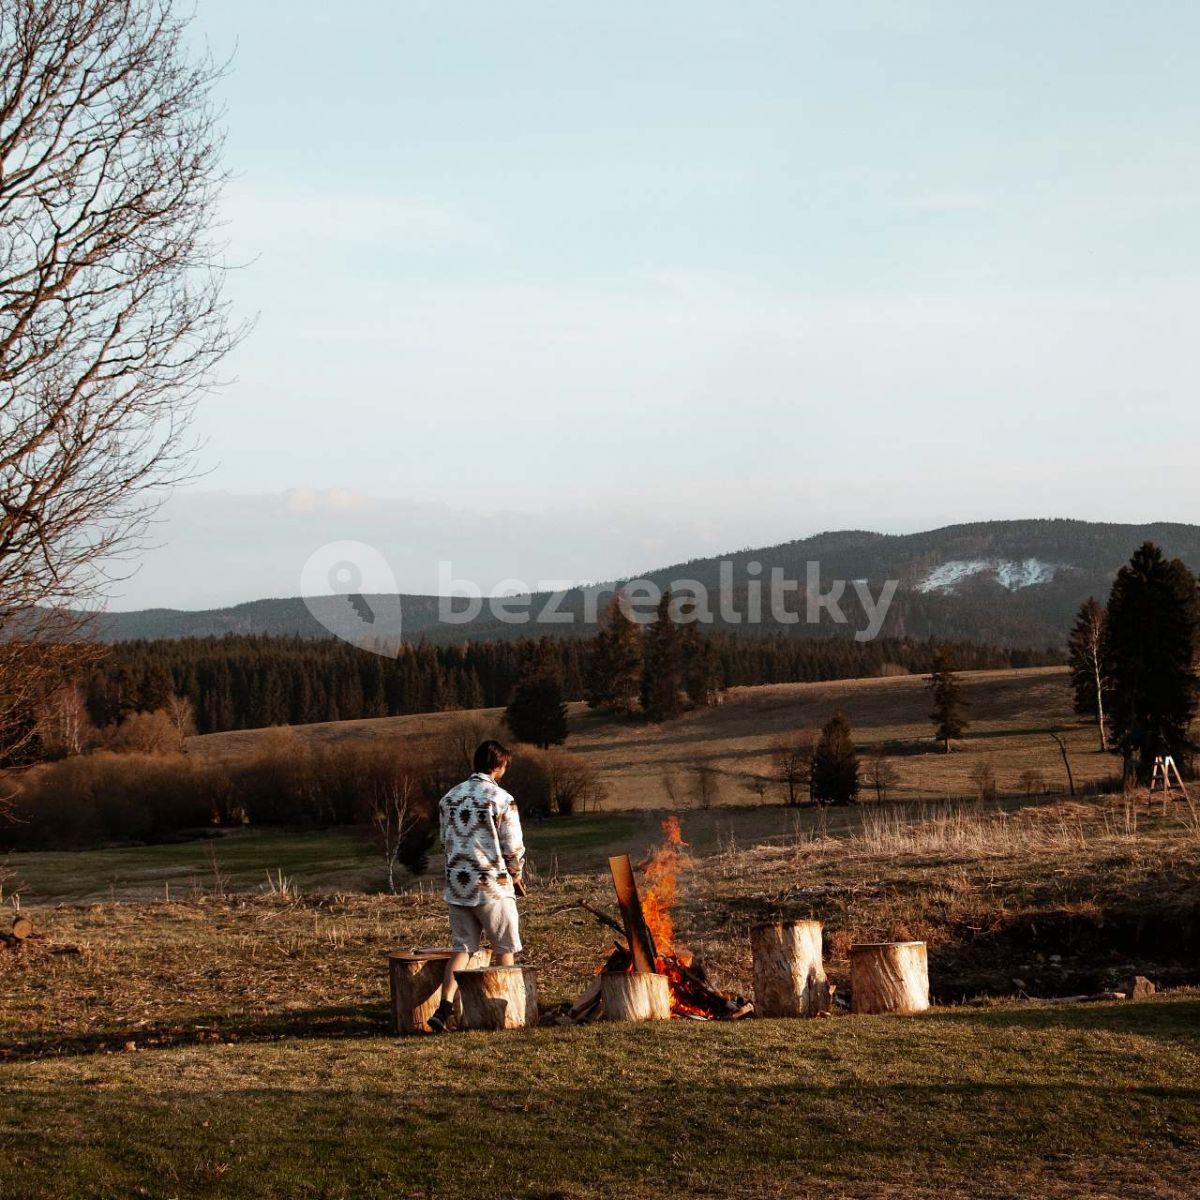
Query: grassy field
[231, 1045]
[1095, 1101]
[181, 1028]
[652, 766]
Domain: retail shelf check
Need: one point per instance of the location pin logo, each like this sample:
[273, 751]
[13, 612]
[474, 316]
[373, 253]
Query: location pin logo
[351, 591]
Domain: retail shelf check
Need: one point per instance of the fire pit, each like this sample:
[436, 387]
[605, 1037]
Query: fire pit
[649, 950]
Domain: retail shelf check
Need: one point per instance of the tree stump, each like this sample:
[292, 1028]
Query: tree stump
[22, 927]
[635, 996]
[889, 977]
[789, 973]
[498, 997]
[416, 979]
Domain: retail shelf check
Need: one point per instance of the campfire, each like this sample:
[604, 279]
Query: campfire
[649, 948]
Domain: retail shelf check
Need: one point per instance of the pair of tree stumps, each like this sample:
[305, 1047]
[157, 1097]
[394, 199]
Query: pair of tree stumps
[488, 997]
[790, 980]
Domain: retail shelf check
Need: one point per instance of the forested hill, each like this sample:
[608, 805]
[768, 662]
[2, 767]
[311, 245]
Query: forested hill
[1009, 583]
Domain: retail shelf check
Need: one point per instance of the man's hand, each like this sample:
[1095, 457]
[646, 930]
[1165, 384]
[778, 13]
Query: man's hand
[519, 886]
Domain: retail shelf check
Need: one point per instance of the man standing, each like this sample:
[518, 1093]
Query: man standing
[485, 855]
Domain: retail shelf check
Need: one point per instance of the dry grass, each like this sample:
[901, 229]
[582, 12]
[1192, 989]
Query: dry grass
[234, 1046]
[1102, 885]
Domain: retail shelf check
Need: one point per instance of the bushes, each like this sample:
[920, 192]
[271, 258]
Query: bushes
[549, 782]
[102, 797]
[105, 797]
[90, 799]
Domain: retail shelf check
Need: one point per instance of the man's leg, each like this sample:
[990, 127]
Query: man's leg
[504, 960]
[456, 962]
[464, 941]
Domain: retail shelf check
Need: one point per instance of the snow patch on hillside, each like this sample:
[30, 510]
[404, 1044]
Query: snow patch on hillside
[1008, 573]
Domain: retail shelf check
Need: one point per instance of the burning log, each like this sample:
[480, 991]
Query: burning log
[416, 985]
[498, 997]
[789, 973]
[889, 977]
[637, 932]
[635, 996]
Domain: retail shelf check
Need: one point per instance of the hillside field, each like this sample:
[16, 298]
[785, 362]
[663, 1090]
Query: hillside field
[1011, 713]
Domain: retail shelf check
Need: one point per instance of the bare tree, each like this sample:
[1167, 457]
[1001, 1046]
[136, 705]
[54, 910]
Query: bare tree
[182, 715]
[983, 777]
[112, 321]
[64, 727]
[791, 760]
[575, 785]
[1032, 781]
[881, 775]
[1086, 659]
[398, 816]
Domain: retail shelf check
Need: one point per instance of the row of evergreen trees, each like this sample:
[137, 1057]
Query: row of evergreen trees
[670, 666]
[1133, 662]
[244, 682]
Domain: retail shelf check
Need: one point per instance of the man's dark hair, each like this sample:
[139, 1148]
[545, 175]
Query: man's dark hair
[491, 756]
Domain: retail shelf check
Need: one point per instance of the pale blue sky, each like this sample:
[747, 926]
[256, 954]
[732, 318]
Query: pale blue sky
[566, 290]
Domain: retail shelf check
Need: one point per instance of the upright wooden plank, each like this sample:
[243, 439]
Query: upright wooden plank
[641, 943]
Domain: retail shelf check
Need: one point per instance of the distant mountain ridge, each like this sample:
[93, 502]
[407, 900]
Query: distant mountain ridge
[1005, 582]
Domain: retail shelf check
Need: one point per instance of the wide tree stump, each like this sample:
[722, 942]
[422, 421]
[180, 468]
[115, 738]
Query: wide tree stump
[498, 997]
[635, 996]
[889, 977]
[416, 980]
[789, 971]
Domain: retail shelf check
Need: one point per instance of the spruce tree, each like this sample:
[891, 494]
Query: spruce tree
[950, 702]
[1085, 656]
[536, 713]
[699, 665]
[1152, 637]
[614, 661]
[835, 764]
[662, 665]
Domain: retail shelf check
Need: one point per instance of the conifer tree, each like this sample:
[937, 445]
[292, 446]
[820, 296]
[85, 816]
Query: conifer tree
[950, 702]
[699, 663]
[614, 661]
[1152, 638]
[1085, 656]
[835, 764]
[662, 665]
[536, 713]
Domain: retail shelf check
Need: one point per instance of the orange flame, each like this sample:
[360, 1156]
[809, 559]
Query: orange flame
[661, 870]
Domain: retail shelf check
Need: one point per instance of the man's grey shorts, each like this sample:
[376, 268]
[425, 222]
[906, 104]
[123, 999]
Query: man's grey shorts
[497, 918]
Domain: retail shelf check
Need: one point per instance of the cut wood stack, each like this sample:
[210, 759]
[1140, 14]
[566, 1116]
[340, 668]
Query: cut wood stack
[498, 997]
[416, 984]
[889, 977]
[789, 971]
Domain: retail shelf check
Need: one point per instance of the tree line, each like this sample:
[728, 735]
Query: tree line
[246, 682]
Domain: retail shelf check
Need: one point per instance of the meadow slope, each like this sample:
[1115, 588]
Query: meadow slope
[651, 766]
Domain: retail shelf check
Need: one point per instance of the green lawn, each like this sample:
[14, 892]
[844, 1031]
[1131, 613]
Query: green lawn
[1078, 1100]
[342, 860]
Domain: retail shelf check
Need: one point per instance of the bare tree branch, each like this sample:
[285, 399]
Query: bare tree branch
[112, 319]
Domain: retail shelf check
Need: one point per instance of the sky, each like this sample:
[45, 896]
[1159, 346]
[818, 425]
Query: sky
[566, 291]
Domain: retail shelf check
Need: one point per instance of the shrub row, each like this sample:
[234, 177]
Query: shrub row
[105, 798]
